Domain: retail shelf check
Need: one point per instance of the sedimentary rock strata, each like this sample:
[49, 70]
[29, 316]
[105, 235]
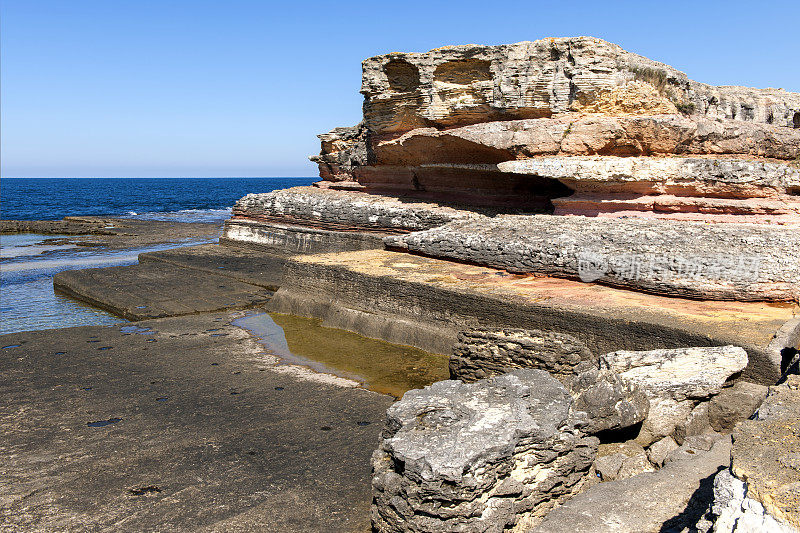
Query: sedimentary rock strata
[684, 188]
[476, 457]
[574, 134]
[709, 261]
[471, 83]
[577, 128]
[485, 352]
[331, 209]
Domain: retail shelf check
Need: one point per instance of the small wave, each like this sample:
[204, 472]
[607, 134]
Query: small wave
[184, 215]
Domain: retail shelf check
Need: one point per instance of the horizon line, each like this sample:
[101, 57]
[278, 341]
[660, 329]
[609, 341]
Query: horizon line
[149, 177]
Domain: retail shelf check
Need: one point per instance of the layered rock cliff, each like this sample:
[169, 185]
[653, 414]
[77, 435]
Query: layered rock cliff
[454, 137]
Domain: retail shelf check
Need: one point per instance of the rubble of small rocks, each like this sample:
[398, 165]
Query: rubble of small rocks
[679, 398]
[482, 456]
[452, 455]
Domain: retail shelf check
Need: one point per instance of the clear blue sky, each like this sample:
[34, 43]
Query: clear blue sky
[241, 88]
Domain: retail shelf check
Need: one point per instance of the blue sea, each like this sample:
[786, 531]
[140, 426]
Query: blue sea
[29, 261]
[181, 199]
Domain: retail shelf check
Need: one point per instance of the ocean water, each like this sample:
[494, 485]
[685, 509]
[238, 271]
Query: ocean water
[29, 261]
[179, 199]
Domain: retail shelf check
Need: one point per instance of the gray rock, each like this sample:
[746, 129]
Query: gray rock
[679, 373]
[664, 417]
[484, 352]
[692, 446]
[709, 261]
[342, 210]
[669, 499]
[633, 466]
[608, 466]
[735, 404]
[478, 456]
[609, 401]
[697, 423]
[659, 450]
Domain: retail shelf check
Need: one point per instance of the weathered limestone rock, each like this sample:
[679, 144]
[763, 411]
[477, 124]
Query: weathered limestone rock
[343, 151]
[678, 374]
[766, 464]
[692, 446]
[673, 380]
[484, 352]
[587, 135]
[659, 450]
[621, 461]
[733, 190]
[340, 210]
[437, 124]
[669, 499]
[609, 401]
[709, 261]
[479, 456]
[734, 405]
[471, 83]
[697, 423]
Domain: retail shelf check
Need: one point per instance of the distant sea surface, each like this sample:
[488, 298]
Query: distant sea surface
[179, 199]
[29, 261]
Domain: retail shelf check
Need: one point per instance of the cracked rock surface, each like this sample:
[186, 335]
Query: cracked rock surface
[480, 456]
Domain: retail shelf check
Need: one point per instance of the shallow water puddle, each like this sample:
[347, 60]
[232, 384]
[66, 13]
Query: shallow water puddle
[381, 366]
[127, 330]
[103, 423]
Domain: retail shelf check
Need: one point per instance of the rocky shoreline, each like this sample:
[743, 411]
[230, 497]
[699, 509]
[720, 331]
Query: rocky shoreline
[606, 250]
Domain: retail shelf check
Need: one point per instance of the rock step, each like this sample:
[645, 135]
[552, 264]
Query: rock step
[424, 302]
[243, 263]
[155, 290]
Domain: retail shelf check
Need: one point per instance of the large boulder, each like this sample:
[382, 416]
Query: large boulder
[480, 456]
[674, 380]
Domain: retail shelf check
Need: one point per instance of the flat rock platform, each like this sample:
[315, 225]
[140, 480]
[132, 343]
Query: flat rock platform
[185, 426]
[424, 302]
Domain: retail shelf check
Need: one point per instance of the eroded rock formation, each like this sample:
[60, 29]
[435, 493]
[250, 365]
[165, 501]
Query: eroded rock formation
[708, 261]
[477, 457]
[575, 128]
